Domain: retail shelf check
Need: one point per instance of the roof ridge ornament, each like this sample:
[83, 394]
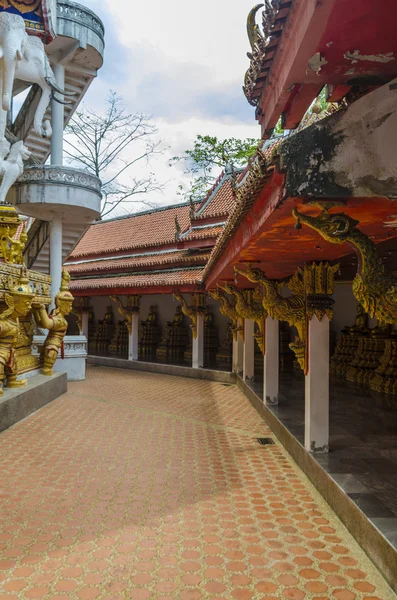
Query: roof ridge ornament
[259, 42]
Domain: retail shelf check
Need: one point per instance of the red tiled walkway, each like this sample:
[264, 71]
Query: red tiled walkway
[144, 486]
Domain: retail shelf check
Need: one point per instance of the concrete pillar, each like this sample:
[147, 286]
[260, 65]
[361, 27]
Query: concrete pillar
[84, 324]
[133, 337]
[198, 344]
[55, 255]
[57, 119]
[238, 351]
[317, 386]
[271, 362]
[249, 349]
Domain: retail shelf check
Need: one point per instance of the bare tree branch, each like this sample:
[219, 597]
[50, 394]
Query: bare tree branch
[110, 146]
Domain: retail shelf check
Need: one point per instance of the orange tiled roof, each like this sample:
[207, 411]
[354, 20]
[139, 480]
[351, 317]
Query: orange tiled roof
[143, 230]
[220, 205]
[133, 262]
[202, 233]
[114, 253]
[189, 276]
[250, 183]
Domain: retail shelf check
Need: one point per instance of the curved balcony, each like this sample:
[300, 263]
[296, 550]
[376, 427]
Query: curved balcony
[45, 191]
[82, 24]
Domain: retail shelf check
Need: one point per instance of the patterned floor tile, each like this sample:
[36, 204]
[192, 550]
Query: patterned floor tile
[145, 486]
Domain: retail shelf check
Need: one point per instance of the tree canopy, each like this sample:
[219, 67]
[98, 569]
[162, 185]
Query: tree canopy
[208, 156]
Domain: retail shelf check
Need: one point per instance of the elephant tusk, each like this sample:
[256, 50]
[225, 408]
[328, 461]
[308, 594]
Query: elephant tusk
[56, 88]
[65, 102]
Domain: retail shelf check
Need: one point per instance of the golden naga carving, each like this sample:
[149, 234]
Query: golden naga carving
[311, 289]
[228, 310]
[374, 288]
[56, 324]
[191, 311]
[292, 309]
[259, 42]
[249, 306]
[132, 308]
[19, 302]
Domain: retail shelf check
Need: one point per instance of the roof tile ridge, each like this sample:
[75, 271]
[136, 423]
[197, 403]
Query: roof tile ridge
[149, 211]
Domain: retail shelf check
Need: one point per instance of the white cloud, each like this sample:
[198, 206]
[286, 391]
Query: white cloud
[182, 62]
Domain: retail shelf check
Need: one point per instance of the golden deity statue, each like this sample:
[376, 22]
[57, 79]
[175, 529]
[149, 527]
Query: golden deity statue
[55, 323]
[19, 302]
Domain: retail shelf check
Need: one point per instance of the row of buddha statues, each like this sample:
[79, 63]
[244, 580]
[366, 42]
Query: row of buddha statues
[367, 356]
[173, 344]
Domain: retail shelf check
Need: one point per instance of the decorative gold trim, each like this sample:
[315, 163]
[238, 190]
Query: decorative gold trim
[373, 286]
[132, 308]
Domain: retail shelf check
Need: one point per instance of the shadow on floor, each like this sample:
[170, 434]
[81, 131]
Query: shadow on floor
[363, 443]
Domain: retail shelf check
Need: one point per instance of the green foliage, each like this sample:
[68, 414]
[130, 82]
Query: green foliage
[210, 154]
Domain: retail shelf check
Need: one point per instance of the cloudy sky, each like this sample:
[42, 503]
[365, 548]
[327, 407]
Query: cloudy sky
[182, 62]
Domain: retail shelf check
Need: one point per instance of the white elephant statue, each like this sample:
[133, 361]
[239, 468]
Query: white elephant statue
[24, 58]
[34, 67]
[13, 40]
[11, 167]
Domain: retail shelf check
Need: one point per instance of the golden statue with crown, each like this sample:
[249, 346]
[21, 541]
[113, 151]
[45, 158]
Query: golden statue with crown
[56, 324]
[20, 289]
[18, 299]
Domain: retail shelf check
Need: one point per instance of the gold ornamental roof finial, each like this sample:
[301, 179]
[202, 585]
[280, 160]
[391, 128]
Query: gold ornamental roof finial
[64, 293]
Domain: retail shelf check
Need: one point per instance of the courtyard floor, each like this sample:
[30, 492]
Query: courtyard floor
[145, 486]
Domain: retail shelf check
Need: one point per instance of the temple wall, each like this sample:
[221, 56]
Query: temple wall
[166, 306]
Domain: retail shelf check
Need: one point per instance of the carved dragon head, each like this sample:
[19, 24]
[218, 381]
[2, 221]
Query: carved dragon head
[252, 274]
[227, 287]
[253, 31]
[334, 228]
[215, 294]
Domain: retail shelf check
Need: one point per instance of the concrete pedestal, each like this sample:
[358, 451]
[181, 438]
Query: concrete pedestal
[75, 355]
[17, 404]
[249, 349]
[271, 362]
[317, 387]
[133, 338]
[198, 344]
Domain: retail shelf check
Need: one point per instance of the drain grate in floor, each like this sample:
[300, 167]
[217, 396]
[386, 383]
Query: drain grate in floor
[265, 441]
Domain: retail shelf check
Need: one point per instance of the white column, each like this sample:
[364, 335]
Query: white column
[317, 386]
[55, 255]
[84, 324]
[249, 348]
[133, 337]
[271, 362]
[238, 352]
[198, 344]
[57, 119]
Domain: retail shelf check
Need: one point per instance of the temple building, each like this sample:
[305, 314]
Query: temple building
[280, 281]
[293, 258]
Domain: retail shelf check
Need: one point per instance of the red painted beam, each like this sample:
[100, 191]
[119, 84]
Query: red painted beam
[298, 105]
[123, 291]
[290, 62]
[263, 207]
[336, 93]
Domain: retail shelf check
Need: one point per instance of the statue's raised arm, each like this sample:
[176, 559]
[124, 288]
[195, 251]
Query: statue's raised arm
[56, 324]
